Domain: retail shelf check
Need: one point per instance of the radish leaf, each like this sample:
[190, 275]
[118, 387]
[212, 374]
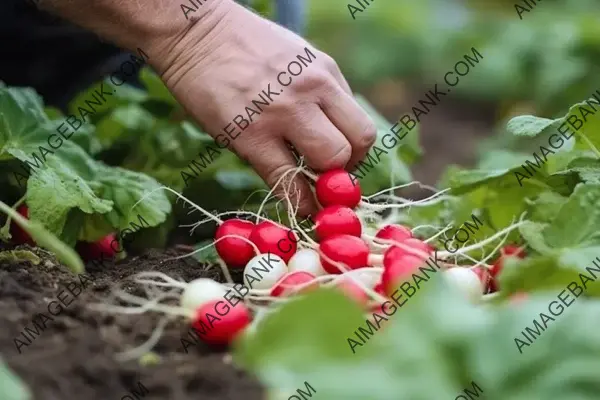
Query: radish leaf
[11, 386]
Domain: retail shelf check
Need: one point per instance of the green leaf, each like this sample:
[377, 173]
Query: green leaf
[56, 189]
[124, 189]
[16, 256]
[156, 88]
[11, 386]
[545, 206]
[528, 125]
[239, 180]
[47, 240]
[433, 347]
[208, 255]
[552, 272]
[576, 224]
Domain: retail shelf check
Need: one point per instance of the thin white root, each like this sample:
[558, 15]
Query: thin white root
[148, 345]
[309, 174]
[160, 275]
[270, 193]
[140, 301]
[391, 189]
[436, 198]
[424, 226]
[409, 249]
[252, 194]
[493, 252]
[143, 306]
[225, 270]
[443, 231]
[444, 254]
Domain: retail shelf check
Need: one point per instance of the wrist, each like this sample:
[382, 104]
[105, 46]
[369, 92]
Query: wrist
[193, 29]
[156, 28]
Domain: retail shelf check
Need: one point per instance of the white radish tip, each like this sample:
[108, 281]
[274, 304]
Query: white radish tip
[264, 271]
[200, 291]
[466, 281]
[307, 260]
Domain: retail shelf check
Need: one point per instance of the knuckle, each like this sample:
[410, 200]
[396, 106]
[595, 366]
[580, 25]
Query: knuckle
[330, 62]
[339, 159]
[368, 135]
[273, 175]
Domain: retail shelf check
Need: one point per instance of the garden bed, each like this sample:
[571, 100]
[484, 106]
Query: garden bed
[75, 352]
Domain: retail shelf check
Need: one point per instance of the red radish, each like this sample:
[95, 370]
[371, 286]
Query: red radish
[484, 276]
[352, 290]
[19, 236]
[513, 250]
[288, 284]
[466, 281]
[398, 271]
[99, 249]
[379, 289]
[337, 220]
[518, 297]
[264, 270]
[201, 291]
[307, 260]
[397, 233]
[235, 252]
[345, 249]
[220, 327]
[270, 237]
[336, 187]
[396, 252]
[507, 251]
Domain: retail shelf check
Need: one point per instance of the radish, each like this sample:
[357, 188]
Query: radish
[270, 237]
[399, 270]
[484, 276]
[395, 233]
[518, 297]
[337, 220]
[467, 281]
[353, 291]
[421, 250]
[235, 252]
[335, 187]
[18, 235]
[307, 260]
[345, 249]
[291, 281]
[200, 291]
[99, 249]
[264, 270]
[379, 289]
[220, 328]
[507, 251]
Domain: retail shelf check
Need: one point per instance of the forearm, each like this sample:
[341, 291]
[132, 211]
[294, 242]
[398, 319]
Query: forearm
[156, 26]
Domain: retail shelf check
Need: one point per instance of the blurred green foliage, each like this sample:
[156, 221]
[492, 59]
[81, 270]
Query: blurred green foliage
[549, 58]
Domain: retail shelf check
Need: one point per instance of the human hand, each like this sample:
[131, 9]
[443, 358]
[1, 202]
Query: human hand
[230, 58]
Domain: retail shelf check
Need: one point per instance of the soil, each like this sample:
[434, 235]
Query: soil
[75, 352]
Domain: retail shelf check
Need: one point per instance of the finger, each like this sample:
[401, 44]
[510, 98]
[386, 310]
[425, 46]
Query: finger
[345, 113]
[335, 71]
[321, 143]
[271, 161]
[337, 74]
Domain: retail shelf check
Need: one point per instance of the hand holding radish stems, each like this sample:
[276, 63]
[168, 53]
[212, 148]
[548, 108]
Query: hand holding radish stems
[366, 268]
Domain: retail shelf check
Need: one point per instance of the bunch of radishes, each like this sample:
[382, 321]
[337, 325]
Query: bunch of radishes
[288, 261]
[87, 250]
[280, 262]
